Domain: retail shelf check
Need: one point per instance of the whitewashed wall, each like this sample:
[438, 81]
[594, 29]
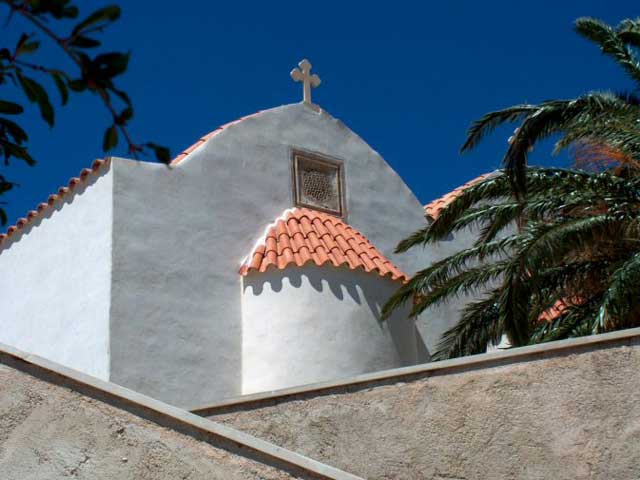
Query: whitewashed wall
[181, 233]
[310, 324]
[135, 279]
[55, 281]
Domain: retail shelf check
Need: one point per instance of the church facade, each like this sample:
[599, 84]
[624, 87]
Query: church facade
[257, 260]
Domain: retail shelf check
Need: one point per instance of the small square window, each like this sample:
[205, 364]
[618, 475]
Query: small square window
[318, 183]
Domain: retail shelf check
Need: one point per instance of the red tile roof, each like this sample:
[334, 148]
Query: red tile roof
[302, 235]
[557, 309]
[433, 208]
[181, 156]
[553, 312]
[62, 193]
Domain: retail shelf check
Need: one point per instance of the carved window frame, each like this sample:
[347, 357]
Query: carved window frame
[301, 158]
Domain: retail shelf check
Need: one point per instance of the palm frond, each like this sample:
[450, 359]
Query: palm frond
[514, 304]
[621, 300]
[546, 236]
[629, 31]
[467, 282]
[489, 122]
[576, 321]
[479, 325]
[419, 237]
[611, 43]
[553, 117]
[501, 218]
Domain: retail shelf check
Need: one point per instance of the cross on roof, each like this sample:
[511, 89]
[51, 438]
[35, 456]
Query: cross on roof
[303, 74]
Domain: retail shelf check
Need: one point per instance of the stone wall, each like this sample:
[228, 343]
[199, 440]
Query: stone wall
[56, 423]
[568, 410]
[48, 432]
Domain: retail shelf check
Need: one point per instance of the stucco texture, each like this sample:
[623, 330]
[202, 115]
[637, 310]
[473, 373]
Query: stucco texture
[574, 415]
[49, 432]
[285, 342]
[56, 280]
[180, 235]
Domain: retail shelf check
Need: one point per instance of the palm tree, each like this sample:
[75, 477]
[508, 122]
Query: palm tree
[575, 250]
[604, 120]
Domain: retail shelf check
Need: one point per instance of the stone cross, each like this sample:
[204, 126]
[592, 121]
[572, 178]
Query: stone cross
[303, 74]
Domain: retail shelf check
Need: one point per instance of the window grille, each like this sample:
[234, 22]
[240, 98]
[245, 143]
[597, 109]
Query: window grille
[318, 183]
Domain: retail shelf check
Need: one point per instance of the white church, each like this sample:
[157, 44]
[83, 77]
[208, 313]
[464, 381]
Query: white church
[259, 259]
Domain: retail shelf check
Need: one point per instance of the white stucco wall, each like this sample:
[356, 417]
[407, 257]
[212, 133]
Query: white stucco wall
[440, 318]
[55, 281]
[436, 320]
[180, 235]
[310, 324]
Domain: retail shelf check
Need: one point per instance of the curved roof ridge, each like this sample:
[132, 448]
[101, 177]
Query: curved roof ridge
[433, 208]
[202, 140]
[63, 192]
[301, 235]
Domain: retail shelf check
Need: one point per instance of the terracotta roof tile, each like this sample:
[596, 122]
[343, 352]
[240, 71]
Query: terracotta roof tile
[53, 198]
[301, 235]
[553, 312]
[557, 309]
[434, 208]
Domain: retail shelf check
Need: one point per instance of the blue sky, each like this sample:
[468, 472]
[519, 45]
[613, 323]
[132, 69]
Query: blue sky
[409, 77]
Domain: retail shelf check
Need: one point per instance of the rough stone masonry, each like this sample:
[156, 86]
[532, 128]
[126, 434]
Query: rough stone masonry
[49, 432]
[573, 413]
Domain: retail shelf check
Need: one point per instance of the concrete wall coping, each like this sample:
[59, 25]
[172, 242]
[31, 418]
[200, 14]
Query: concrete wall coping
[416, 372]
[216, 434]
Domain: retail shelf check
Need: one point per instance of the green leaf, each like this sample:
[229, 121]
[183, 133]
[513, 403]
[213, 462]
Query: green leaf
[107, 14]
[70, 12]
[13, 150]
[163, 155]
[112, 64]
[5, 186]
[56, 8]
[62, 86]
[25, 46]
[13, 129]
[84, 42]
[29, 87]
[36, 93]
[10, 108]
[30, 47]
[78, 85]
[46, 110]
[110, 138]
[123, 95]
[125, 116]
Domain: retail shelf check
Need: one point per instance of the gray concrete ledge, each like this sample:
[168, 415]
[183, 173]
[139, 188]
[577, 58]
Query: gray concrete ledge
[171, 417]
[417, 372]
